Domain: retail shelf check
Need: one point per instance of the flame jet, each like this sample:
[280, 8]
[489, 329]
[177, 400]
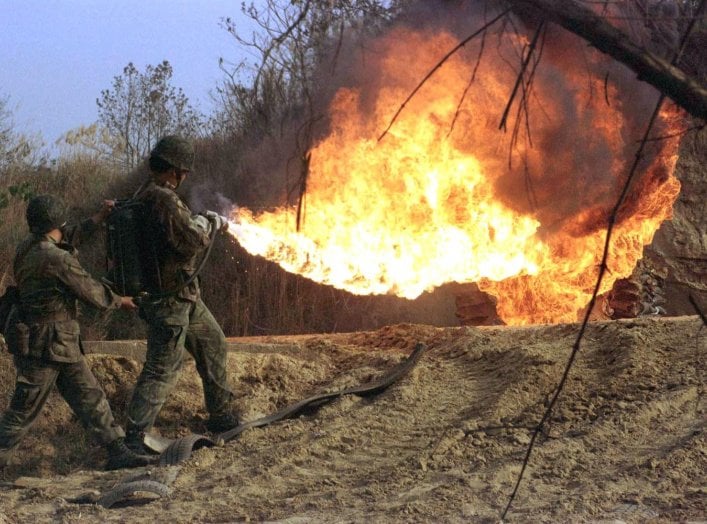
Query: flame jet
[446, 196]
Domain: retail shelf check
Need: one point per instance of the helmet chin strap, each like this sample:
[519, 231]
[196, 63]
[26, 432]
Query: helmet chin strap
[56, 234]
[172, 182]
[179, 177]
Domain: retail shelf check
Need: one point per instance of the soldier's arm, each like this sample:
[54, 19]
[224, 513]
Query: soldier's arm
[187, 233]
[87, 289]
[76, 234]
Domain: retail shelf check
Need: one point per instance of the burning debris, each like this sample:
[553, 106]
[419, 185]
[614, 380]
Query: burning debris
[447, 197]
[640, 295]
[653, 297]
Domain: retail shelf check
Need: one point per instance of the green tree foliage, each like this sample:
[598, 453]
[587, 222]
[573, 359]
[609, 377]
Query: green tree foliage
[140, 107]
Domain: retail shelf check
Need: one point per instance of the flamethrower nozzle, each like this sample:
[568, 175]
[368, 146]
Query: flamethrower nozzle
[220, 222]
[141, 298]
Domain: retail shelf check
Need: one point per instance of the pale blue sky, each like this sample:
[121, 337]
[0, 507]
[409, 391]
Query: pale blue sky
[57, 55]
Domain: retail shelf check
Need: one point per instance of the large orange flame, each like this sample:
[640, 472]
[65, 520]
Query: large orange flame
[437, 200]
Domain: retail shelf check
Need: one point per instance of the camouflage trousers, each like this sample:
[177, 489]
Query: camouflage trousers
[177, 326]
[76, 383]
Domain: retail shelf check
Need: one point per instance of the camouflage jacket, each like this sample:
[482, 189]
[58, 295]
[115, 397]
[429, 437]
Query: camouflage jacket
[177, 238]
[51, 281]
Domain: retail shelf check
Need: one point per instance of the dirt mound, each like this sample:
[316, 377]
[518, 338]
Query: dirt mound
[445, 444]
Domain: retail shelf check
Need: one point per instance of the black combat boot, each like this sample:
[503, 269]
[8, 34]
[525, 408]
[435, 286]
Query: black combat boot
[135, 440]
[120, 456]
[222, 422]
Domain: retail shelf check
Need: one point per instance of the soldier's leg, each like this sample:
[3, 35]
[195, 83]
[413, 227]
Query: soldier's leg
[35, 379]
[165, 354]
[83, 393]
[81, 390]
[207, 344]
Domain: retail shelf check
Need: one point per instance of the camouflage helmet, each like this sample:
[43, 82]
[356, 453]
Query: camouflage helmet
[44, 213]
[176, 151]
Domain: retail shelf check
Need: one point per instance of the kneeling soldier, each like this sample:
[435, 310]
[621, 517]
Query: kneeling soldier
[44, 338]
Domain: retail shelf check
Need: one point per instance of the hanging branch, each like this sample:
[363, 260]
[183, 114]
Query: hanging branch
[438, 65]
[527, 87]
[521, 74]
[307, 155]
[606, 90]
[603, 268]
[468, 85]
[303, 188]
[482, 45]
[677, 134]
[277, 42]
[664, 76]
[337, 49]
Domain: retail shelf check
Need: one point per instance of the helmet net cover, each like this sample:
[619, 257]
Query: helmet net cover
[176, 151]
[44, 213]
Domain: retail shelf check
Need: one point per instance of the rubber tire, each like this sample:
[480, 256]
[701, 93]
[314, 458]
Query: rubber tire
[181, 449]
[129, 488]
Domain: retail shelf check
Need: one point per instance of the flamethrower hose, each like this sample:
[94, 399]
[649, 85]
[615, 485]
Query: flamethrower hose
[369, 388]
[179, 450]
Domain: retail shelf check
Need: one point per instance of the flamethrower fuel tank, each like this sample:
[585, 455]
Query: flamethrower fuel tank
[132, 262]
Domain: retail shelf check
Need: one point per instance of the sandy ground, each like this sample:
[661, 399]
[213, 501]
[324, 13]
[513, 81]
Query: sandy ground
[444, 444]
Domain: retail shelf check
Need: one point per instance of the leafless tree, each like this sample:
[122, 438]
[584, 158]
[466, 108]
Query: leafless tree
[142, 106]
[17, 150]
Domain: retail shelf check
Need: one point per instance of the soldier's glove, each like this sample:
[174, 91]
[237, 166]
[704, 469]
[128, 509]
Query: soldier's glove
[220, 222]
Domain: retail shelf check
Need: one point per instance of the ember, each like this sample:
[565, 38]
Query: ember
[446, 196]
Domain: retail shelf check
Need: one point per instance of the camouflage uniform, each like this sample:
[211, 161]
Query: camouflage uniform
[46, 344]
[177, 323]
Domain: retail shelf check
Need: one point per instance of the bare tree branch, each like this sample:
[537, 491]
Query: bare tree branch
[521, 74]
[440, 64]
[603, 268]
[667, 78]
